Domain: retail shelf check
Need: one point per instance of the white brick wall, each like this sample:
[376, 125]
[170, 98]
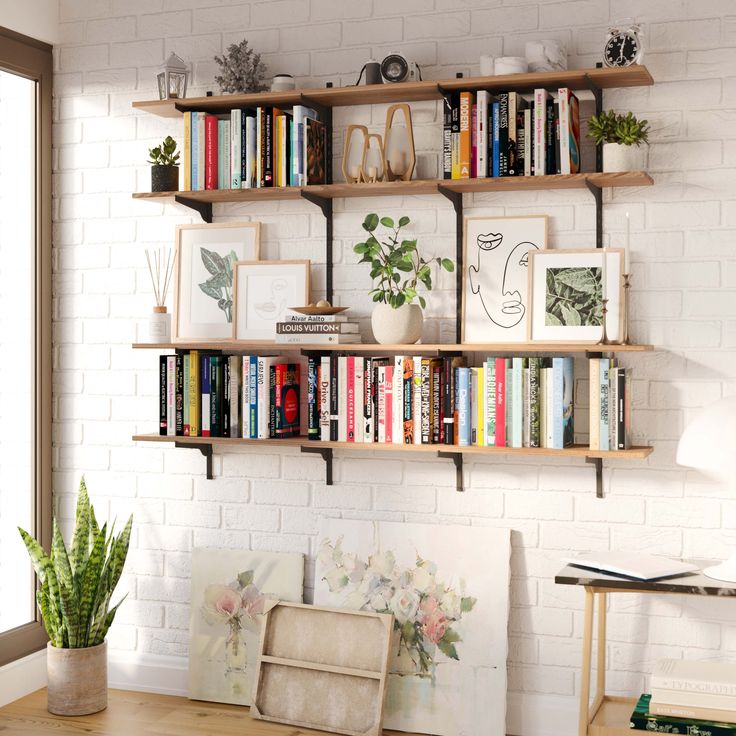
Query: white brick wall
[683, 300]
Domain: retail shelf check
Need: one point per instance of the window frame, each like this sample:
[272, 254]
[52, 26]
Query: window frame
[32, 59]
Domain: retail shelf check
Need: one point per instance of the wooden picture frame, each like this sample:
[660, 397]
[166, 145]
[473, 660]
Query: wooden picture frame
[241, 238]
[492, 319]
[388, 172]
[334, 662]
[583, 258]
[289, 286]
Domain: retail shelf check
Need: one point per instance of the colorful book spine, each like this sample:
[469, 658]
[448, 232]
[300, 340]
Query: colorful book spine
[351, 401]
[381, 403]
[416, 393]
[245, 396]
[407, 414]
[235, 378]
[517, 405]
[500, 402]
[179, 396]
[285, 399]
[253, 404]
[426, 424]
[503, 134]
[225, 392]
[334, 398]
[496, 142]
[186, 152]
[490, 402]
[455, 137]
[474, 141]
[527, 152]
[552, 137]
[603, 392]
[162, 397]
[210, 155]
[526, 414]
[462, 404]
[223, 154]
[250, 180]
[397, 428]
[185, 394]
[447, 137]
[389, 403]
[436, 412]
[342, 398]
[205, 403]
[194, 154]
[481, 123]
[369, 401]
[312, 398]
[236, 157]
[171, 395]
[534, 402]
[478, 394]
[359, 381]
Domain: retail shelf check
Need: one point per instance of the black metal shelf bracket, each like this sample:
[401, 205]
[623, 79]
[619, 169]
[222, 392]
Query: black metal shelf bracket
[457, 458]
[597, 193]
[326, 454]
[204, 208]
[206, 450]
[457, 202]
[598, 463]
[325, 204]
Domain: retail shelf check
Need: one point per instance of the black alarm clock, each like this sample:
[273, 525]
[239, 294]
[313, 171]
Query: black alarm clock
[623, 46]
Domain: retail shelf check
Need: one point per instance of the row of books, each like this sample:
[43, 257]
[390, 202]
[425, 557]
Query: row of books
[317, 329]
[506, 135]
[506, 402]
[204, 395]
[253, 148]
[610, 405]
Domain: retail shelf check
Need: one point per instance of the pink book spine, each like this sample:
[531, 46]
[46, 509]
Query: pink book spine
[389, 403]
[351, 398]
[474, 142]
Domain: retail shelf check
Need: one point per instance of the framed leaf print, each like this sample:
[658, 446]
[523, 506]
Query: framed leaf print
[204, 301]
[567, 289]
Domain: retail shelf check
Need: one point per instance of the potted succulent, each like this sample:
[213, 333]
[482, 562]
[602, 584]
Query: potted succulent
[622, 137]
[74, 599]
[397, 269]
[164, 169]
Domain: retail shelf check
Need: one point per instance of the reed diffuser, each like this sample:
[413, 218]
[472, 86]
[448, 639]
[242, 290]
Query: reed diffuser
[161, 268]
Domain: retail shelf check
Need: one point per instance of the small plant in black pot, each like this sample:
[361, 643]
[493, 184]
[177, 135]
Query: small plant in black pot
[164, 169]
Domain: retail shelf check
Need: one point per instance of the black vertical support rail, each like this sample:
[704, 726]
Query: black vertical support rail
[597, 193]
[325, 205]
[457, 202]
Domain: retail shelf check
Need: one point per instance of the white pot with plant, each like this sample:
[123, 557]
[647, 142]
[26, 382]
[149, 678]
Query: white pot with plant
[74, 599]
[397, 269]
[622, 137]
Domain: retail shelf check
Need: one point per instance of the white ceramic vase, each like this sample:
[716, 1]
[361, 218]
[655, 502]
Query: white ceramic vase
[402, 326]
[618, 157]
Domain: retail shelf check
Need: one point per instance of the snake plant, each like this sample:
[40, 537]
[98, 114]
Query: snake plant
[610, 127]
[77, 584]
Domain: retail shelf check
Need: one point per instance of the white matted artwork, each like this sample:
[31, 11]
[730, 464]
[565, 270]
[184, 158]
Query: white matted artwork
[495, 283]
[203, 293]
[448, 588]
[230, 589]
[567, 289]
[264, 290]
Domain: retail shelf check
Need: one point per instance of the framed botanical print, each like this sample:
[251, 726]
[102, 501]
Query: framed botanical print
[264, 290]
[495, 282]
[567, 289]
[203, 293]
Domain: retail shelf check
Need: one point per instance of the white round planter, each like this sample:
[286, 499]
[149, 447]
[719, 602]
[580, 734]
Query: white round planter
[617, 157]
[402, 326]
[77, 680]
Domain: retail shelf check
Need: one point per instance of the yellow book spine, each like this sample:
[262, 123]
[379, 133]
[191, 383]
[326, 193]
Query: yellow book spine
[194, 402]
[480, 401]
[186, 152]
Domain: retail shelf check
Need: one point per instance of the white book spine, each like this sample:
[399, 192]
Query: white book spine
[397, 408]
[259, 136]
[563, 96]
[236, 160]
[528, 138]
[550, 407]
[540, 123]
[324, 399]
[481, 129]
[249, 179]
[685, 698]
[417, 399]
[342, 399]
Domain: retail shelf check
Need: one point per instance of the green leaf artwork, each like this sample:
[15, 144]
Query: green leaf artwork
[219, 286]
[574, 297]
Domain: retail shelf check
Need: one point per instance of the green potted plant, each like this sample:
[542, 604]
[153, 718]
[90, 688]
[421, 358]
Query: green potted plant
[76, 587]
[397, 269]
[622, 137]
[164, 169]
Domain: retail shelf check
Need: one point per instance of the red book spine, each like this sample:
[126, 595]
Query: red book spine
[210, 152]
[351, 398]
[500, 402]
[389, 403]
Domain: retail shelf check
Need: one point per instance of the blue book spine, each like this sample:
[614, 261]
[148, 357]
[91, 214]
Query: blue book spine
[254, 397]
[194, 157]
[517, 402]
[557, 399]
[604, 394]
[495, 120]
[462, 401]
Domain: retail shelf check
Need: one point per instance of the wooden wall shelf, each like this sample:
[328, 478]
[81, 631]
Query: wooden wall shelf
[416, 349]
[578, 79]
[416, 186]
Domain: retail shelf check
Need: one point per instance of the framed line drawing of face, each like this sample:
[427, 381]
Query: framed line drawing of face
[264, 290]
[495, 282]
[203, 292]
[566, 292]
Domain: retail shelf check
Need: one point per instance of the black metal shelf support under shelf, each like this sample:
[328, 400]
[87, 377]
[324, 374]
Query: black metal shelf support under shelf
[597, 462]
[206, 450]
[326, 454]
[204, 208]
[457, 459]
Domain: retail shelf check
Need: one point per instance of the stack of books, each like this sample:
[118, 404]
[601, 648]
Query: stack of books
[253, 148]
[248, 396]
[317, 329]
[610, 405]
[507, 135]
[689, 697]
[506, 402]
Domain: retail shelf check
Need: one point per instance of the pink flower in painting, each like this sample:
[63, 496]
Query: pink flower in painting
[252, 601]
[221, 604]
[429, 605]
[434, 626]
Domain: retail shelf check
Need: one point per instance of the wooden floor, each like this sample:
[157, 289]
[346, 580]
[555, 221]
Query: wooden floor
[142, 714]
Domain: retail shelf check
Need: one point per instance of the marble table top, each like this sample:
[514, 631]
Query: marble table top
[694, 583]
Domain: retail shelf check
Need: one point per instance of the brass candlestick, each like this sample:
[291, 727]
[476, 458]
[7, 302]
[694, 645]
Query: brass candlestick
[604, 337]
[627, 286]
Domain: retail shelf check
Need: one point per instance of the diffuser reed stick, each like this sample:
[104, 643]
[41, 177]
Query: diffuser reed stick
[161, 268]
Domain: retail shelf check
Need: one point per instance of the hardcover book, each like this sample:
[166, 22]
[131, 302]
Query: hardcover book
[316, 152]
[643, 720]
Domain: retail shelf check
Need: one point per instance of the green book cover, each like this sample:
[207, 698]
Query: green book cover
[643, 720]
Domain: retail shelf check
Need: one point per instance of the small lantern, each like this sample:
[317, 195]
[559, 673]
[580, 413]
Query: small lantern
[355, 137]
[398, 145]
[172, 81]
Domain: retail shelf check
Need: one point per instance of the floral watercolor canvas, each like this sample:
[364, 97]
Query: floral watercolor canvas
[229, 591]
[448, 589]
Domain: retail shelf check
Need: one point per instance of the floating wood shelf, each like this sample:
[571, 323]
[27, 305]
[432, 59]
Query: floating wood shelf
[417, 186]
[416, 349]
[578, 79]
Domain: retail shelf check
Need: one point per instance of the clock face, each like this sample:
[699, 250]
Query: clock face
[621, 49]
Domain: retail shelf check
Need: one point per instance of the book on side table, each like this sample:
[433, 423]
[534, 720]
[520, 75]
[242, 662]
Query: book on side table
[642, 719]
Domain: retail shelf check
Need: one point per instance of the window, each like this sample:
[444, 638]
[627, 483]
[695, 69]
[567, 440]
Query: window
[25, 331]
